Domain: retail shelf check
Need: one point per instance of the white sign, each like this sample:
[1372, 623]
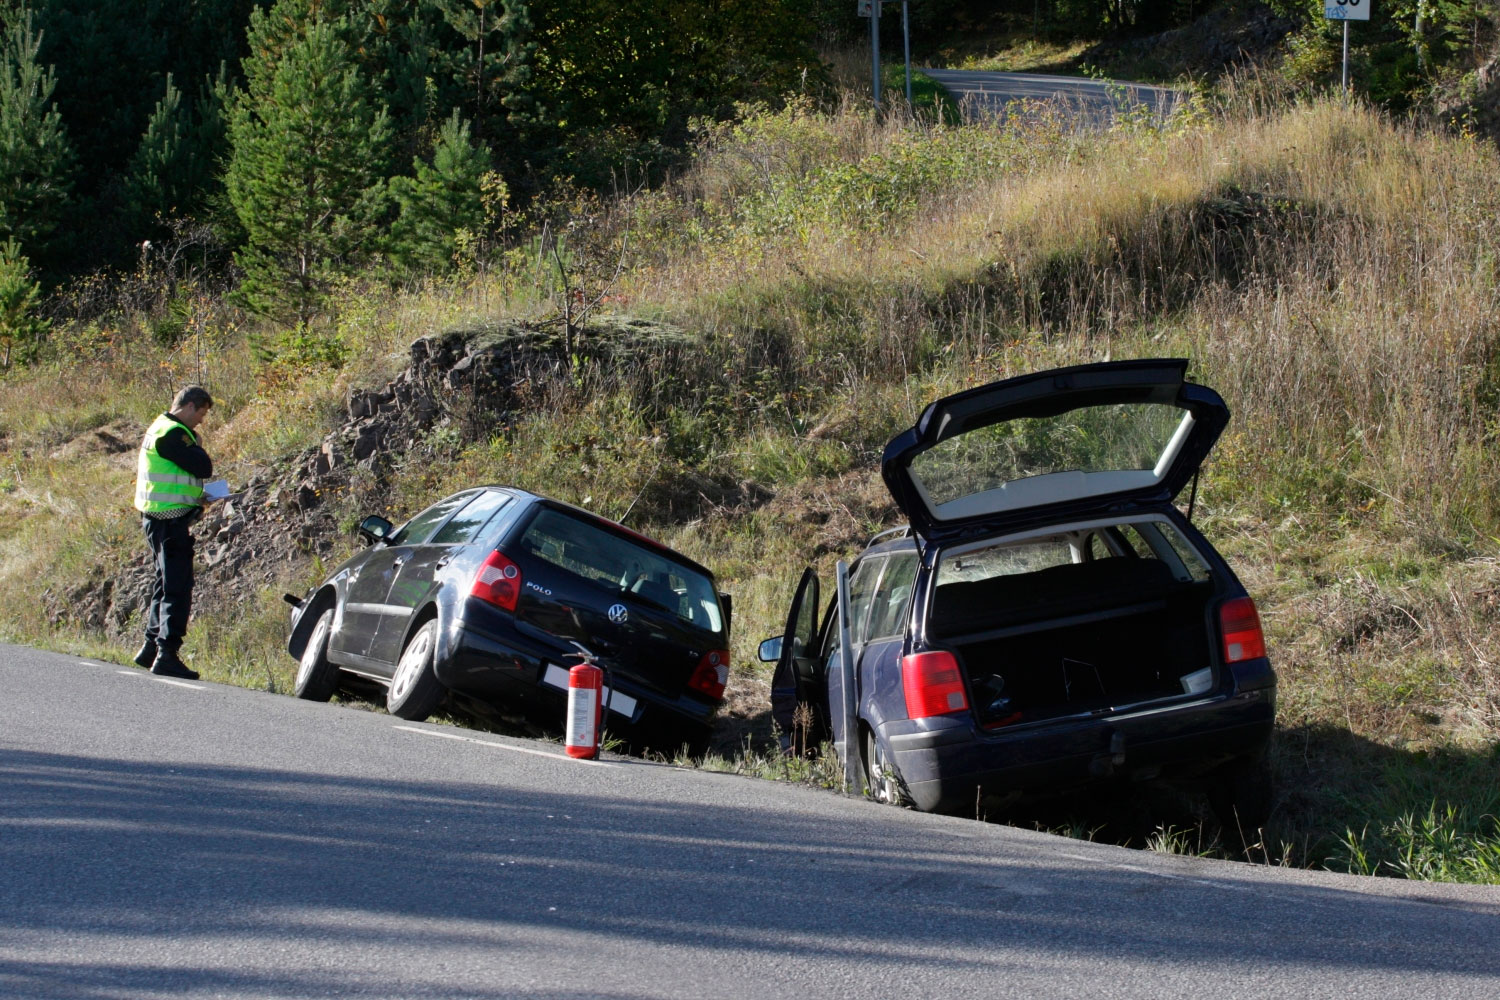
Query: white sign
[863, 7]
[1347, 10]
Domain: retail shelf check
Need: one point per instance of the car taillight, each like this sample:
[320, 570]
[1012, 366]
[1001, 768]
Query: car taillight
[498, 582]
[712, 673]
[1240, 624]
[933, 685]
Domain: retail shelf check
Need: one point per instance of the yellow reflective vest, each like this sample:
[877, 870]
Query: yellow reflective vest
[161, 485]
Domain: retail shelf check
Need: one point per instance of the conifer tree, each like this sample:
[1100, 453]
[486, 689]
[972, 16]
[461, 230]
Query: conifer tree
[440, 200]
[36, 161]
[21, 329]
[173, 171]
[306, 168]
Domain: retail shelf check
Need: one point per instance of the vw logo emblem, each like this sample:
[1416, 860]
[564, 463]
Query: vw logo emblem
[618, 614]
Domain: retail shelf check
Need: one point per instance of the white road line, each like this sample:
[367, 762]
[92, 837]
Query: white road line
[502, 746]
[130, 673]
[181, 684]
[90, 663]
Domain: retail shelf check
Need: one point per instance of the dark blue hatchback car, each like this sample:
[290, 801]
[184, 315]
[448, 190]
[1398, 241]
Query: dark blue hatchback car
[492, 593]
[1049, 617]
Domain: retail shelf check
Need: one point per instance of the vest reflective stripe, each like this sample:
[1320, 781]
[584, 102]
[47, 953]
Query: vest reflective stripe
[162, 485]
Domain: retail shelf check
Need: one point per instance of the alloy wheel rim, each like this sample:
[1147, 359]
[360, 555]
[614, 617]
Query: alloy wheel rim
[310, 652]
[411, 662]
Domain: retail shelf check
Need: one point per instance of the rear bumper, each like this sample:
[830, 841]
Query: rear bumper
[948, 764]
[486, 657]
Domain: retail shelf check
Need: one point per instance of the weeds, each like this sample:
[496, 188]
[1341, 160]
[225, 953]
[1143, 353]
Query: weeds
[1332, 273]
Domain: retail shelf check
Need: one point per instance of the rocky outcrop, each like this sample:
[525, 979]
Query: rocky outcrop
[457, 388]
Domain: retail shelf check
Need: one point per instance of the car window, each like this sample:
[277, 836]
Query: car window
[418, 529]
[1133, 537]
[991, 561]
[464, 525]
[861, 591]
[892, 595]
[1192, 562]
[622, 566]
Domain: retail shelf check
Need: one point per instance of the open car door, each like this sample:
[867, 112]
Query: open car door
[797, 678]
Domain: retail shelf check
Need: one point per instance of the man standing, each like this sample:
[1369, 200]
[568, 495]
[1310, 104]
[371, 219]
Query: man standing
[169, 495]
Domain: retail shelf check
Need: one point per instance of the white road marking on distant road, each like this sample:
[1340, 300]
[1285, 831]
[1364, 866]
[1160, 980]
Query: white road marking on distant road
[503, 746]
[181, 684]
[130, 673]
[90, 663]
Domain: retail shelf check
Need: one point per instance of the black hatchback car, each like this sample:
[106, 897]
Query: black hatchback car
[493, 593]
[1049, 617]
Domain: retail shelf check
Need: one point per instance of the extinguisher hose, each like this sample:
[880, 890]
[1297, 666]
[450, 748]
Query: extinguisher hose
[608, 697]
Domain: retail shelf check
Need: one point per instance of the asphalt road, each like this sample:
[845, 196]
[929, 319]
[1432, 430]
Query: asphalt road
[1093, 101]
[164, 839]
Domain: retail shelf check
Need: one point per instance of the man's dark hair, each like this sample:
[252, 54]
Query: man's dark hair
[194, 395]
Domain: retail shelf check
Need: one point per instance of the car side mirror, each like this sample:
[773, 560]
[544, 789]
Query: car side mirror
[375, 529]
[770, 650]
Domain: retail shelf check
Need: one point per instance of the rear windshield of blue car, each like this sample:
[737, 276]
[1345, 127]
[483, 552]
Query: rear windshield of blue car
[623, 566]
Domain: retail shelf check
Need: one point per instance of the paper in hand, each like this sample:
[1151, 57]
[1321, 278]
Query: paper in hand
[218, 489]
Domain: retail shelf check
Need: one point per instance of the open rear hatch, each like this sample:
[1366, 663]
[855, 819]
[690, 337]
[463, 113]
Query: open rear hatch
[1070, 442]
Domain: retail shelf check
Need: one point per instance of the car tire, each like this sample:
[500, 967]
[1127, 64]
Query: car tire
[881, 776]
[1241, 794]
[415, 690]
[317, 677]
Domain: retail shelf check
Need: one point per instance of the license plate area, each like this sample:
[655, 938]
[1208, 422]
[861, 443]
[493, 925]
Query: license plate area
[557, 677]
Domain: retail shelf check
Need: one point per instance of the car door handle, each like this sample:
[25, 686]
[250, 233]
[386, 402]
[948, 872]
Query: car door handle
[442, 562]
[397, 563]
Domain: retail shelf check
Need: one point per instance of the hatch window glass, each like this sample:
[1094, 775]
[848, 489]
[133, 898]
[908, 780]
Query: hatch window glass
[990, 561]
[622, 566]
[418, 529]
[464, 525]
[1024, 461]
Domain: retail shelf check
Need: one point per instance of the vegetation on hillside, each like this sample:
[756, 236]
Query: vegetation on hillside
[1331, 270]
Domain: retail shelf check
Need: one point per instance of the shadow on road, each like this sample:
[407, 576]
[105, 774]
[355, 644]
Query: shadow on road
[101, 849]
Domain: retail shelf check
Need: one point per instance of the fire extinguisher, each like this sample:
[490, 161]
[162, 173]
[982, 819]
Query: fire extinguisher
[586, 706]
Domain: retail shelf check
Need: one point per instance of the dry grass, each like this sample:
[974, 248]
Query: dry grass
[1332, 273]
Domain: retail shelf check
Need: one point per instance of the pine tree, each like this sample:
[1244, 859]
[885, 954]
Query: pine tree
[439, 201]
[305, 172]
[173, 172]
[20, 329]
[35, 159]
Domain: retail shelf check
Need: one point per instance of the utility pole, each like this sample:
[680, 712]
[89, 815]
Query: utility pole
[875, 48]
[906, 44]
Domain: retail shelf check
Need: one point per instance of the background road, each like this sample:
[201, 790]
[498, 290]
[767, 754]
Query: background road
[165, 839]
[1095, 101]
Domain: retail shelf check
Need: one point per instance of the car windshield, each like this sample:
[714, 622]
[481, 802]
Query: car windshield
[623, 566]
[1088, 451]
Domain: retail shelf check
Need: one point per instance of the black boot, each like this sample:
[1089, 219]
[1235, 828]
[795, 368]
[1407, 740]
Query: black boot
[168, 665]
[146, 655]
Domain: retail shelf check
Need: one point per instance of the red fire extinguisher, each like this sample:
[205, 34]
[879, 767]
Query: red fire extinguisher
[585, 707]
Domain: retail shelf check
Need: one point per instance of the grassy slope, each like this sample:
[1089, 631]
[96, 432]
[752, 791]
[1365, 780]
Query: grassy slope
[1333, 275]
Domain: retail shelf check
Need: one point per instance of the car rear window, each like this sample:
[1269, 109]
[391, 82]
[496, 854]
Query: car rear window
[623, 566]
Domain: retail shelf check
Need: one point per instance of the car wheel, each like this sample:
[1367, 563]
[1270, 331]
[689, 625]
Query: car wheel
[1241, 794]
[881, 778]
[415, 690]
[317, 677]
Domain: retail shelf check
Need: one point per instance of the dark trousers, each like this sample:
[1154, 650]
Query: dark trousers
[171, 544]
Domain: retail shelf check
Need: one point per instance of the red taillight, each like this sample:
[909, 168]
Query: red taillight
[933, 685]
[1240, 624]
[712, 673]
[498, 582]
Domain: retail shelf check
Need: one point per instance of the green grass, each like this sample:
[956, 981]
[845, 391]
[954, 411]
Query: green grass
[828, 274]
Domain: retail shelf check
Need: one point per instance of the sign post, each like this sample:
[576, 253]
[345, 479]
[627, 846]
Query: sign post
[1346, 11]
[871, 9]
